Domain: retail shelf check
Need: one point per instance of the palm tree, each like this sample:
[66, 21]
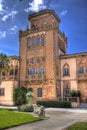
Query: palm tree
[4, 64]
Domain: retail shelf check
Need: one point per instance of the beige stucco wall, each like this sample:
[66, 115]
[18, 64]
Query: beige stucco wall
[72, 78]
[8, 86]
[72, 64]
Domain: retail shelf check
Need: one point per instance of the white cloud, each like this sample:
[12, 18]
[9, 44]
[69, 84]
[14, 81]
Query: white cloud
[36, 5]
[63, 13]
[6, 16]
[2, 34]
[13, 29]
[1, 7]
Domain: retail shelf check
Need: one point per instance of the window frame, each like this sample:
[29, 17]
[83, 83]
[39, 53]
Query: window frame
[30, 71]
[39, 92]
[81, 69]
[2, 92]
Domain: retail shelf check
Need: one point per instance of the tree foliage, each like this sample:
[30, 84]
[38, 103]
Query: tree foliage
[4, 64]
[20, 95]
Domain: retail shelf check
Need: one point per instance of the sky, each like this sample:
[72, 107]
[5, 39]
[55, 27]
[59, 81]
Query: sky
[14, 17]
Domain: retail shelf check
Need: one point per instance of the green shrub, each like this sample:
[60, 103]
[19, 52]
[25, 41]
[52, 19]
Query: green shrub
[26, 108]
[55, 104]
[75, 93]
[20, 95]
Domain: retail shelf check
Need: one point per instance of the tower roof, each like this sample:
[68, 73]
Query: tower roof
[44, 12]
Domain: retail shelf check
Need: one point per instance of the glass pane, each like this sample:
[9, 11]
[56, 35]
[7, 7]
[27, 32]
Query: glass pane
[35, 70]
[38, 40]
[39, 94]
[38, 60]
[42, 70]
[32, 61]
[29, 42]
[29, 71]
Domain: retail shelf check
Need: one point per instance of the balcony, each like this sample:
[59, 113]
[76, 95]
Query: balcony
[82, 76]
[35, 77]
[9, 77]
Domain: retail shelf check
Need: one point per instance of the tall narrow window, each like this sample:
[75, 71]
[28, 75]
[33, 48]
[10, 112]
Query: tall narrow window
[66, 71]
[35, 71]
[32, 61]
[2, 92]
[29, 42]
[29, 71]
[39, 92]
[38, 40]
[42, 70]
[67, 91]
[81, 70]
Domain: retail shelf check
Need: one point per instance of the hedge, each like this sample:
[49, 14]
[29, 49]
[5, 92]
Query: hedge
[55, 104]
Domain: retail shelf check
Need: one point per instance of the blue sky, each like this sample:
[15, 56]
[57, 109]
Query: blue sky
[14, 16]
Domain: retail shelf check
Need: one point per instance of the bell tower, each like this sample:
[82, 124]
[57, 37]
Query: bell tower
[40, 48]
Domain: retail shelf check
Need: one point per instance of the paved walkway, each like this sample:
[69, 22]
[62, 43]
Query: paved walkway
[56, 119]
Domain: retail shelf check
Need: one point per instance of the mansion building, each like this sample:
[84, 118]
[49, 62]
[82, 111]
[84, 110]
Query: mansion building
[43, 66]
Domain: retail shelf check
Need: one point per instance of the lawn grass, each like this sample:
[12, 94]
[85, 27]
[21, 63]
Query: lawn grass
[78, 126]
[9, 118]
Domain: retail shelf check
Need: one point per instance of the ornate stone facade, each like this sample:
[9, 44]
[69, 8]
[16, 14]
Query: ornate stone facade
[44, 67]
[40, 48]
[44, 63]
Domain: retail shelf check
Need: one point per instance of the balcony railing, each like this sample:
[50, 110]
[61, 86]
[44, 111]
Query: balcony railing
[34, 77]
[82, 76]
[9, 77]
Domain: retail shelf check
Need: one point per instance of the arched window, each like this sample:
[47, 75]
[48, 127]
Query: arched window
[81, 69]
[42, 70]
[38, 60]
[32, 61]
[66, 70]
[39, 92]
[38, 40]
[29, 42]
[33, 41]
[35, 70]
[29, 71]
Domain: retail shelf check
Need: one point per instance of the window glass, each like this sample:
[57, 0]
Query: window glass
[66, 71]
[35, 71]
[33, 41]
[67, 91]
[38, 60]
[39, 92]
[38, 40]
[2, 92]
[29, 42]
[32, 61]
[81, 69]
[42, 70]
[29, 71]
